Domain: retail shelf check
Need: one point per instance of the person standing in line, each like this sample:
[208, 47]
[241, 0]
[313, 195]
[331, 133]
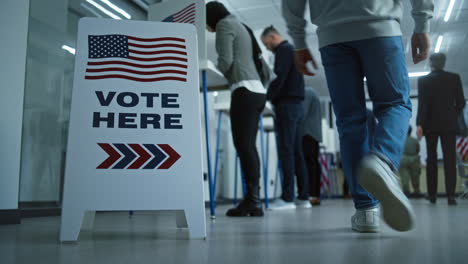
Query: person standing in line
[286, 93]
[440, 101]
[357, 40]
[235, 61]
[410, 168]
[311, 138]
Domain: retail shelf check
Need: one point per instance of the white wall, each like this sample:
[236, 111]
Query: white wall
[14, 28]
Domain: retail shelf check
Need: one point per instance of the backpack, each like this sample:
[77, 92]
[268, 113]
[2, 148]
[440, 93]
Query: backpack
[262, 67]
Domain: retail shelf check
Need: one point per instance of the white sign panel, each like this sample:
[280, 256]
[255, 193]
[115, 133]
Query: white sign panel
[187, 12]
[134, 141]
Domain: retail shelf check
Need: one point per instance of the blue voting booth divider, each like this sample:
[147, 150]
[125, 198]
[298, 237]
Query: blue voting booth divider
[212, 189]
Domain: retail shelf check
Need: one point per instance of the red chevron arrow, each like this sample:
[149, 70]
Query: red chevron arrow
[113, 156]
[144, 156]
[173, 156]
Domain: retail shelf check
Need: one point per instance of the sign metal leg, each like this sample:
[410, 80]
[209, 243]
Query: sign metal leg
[236, 165]
[218, 137]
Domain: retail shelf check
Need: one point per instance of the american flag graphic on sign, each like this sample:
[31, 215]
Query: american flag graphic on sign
[462, 147]
[186, 15]
[136, 59]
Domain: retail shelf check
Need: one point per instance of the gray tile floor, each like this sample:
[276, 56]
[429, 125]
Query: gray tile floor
[317, 235]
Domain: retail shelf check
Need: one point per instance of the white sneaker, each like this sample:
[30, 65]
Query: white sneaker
[281, 204]
[377, 178]
[366, 220]
[302, 204]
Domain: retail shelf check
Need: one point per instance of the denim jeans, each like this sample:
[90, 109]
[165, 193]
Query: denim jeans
[288, 121]
[382, 61]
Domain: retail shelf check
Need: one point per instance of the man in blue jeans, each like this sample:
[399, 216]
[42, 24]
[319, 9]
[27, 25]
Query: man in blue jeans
[286, 93]
[360, 39]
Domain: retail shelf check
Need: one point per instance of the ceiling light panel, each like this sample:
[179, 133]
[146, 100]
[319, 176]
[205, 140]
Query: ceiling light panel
[117, 9]
[104, 10]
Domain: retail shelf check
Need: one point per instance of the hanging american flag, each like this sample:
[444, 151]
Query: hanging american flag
[462, 147]
[186, 15]
[136, 59]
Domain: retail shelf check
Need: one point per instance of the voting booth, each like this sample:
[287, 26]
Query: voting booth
[135, 135]
[190, 12]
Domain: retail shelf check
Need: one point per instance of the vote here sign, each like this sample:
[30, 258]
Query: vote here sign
[134, 140]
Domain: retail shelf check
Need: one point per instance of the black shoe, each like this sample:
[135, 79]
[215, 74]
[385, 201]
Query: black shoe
[251, 205]
[452, 201]
[246, 208]
[417, 195]
[432, 200]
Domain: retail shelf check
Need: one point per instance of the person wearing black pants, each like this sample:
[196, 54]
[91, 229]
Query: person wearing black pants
[311, 150]
[311, 138]
[441, 100]
[246, 108]
[448, 149]
[236, 53]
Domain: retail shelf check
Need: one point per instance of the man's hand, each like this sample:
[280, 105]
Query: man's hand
[420, 45]
[302, 57]
[419, 133]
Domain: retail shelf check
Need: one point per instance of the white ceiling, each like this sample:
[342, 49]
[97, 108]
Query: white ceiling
[259, 14]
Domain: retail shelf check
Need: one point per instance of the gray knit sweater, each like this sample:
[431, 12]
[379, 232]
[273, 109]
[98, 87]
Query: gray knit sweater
[349, 20]
[234, 47]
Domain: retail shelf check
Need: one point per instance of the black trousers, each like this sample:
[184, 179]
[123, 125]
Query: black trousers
[448, 149]
[311, 150]
[246, 108]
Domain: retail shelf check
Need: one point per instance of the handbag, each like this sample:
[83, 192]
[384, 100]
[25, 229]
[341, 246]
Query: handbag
[262, 67]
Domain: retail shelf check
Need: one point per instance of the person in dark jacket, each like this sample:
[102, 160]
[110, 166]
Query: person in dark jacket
[286, 93]
[235, 61]
[441, 99]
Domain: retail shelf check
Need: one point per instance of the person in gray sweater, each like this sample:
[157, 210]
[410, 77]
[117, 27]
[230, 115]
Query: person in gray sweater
[235, 61]
[360, 39]
[311, 131]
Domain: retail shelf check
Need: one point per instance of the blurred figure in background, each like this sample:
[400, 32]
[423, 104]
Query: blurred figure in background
[441, 100]
[286, 93]
[410, 168]
[248, 98]
[311, 138]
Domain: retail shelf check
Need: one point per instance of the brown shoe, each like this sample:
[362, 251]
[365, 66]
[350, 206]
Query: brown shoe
[315, 201]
